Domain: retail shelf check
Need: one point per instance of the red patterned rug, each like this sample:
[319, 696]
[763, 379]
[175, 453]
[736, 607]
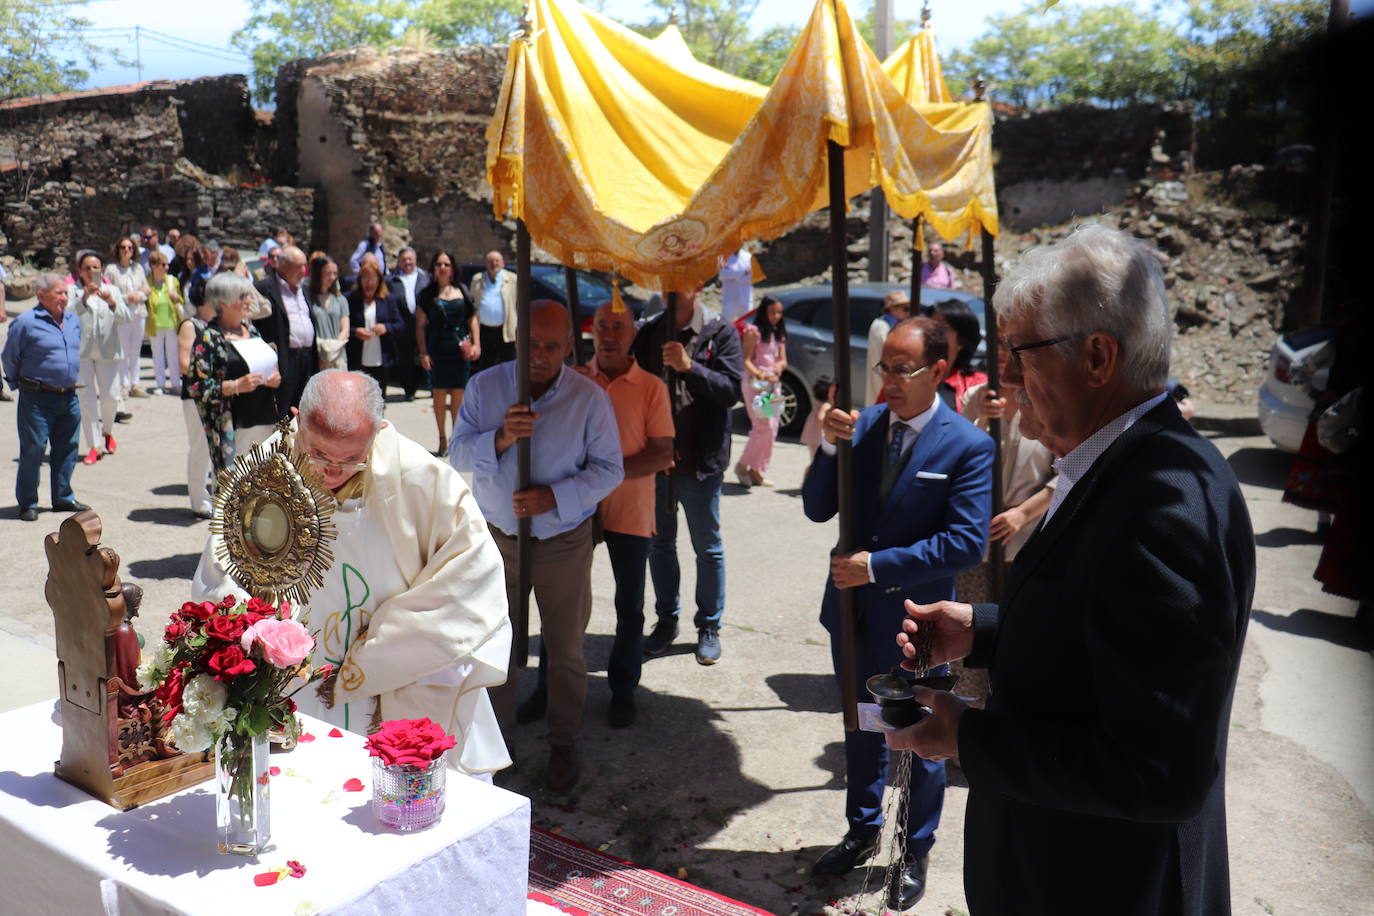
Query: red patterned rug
[584, 882]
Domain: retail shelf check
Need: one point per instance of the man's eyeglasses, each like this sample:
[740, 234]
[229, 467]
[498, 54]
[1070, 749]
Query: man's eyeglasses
[1015, 351]
[898, 371]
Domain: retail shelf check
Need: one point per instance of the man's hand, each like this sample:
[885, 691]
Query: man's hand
[675, 357]
[363, 333]
[519, 424]
[1004, 527]
[533, 501]
[836, 425]
[991, 406]
[379, 329]
[952, 622]
[936, 737]
[849, 569]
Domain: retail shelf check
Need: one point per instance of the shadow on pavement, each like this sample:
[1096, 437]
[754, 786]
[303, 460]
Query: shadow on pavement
[1287, 537]
[654, 793]
[182, 518]
[806, 692]
[181, 566]
[1336, 629]
[1261, 467]
[171, 489]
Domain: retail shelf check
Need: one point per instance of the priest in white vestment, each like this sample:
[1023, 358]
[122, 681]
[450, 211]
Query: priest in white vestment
[413, 611]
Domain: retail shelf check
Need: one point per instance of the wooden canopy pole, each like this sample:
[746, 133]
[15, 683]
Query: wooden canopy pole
[522, 446]
[989, 270]
[918, 255]
[575, 313]
[839, 292]
[670, 379]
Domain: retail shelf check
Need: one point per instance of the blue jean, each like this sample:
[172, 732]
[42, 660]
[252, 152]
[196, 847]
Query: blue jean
[46, 417]
[629, 554]
[700, 502]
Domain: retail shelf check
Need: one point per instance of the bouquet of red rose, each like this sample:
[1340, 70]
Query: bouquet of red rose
[409, 742]
[223, 669]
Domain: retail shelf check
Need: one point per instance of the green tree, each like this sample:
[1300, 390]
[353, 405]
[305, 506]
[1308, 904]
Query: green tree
[764, 54]
[44, 48]
[717, 31]
[283, 30]
[1112, 54]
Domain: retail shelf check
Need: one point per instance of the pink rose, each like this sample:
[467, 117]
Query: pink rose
[285, 643]
[416, 742]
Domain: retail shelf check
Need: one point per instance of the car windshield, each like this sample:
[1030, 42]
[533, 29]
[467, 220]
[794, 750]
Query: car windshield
[590, 288]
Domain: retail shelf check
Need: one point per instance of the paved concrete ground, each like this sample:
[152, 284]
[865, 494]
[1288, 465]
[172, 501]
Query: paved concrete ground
[734, 773]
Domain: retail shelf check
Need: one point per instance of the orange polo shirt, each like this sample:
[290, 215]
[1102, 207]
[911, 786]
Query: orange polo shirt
[642, 412]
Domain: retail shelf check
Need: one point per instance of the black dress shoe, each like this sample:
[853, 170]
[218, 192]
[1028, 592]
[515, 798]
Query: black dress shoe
[622, 714]
[123, 417]
[658, 641]
[28, 515]
[533, 709]
[72, 506]
[910, 887]
[849, 852]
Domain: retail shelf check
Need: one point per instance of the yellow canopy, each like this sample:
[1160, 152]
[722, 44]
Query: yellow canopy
[620, 158]
[915, 68]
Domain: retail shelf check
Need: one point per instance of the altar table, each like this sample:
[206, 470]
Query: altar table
[64, 853]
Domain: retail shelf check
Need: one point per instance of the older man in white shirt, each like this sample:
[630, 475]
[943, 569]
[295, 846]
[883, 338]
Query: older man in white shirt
[413, 612]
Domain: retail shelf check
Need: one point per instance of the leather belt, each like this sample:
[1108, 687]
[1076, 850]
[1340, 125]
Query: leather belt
[33, 384]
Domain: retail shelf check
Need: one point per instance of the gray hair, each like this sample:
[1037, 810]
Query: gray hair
[211, 245]
[291, 255]
[405, 249]
[1098, 280]
[330, 402]
[47, 281]
[224, 288]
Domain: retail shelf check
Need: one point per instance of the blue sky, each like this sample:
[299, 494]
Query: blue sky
[189, 39]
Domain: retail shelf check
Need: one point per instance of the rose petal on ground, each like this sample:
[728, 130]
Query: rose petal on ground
[306, 738]
[297, 869]
[266, 878]
[353, 785]
[274, 771]
[335, 733]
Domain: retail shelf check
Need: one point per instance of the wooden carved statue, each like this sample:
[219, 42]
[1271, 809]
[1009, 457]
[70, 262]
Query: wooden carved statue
[114, 743]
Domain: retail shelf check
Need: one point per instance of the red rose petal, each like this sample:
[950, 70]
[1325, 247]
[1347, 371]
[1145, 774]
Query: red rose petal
[266, 878]
[353, 785]
[274, 771]
[335, 733]
[297, 869]
[306, 738]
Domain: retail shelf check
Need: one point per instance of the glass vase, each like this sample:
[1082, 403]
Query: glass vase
[406, 797]
[241, 793]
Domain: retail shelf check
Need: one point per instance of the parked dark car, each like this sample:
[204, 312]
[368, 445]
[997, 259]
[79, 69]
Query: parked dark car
[548, 281]
[811, 338]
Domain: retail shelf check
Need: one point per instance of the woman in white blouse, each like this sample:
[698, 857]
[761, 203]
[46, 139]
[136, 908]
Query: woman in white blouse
[126, 274]
[102, 311]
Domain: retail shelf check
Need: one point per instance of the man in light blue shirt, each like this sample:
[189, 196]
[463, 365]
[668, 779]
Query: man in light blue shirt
[41, 360]
[575, 463]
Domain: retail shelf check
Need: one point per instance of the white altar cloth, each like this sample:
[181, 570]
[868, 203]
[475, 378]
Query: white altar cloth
[64, 853]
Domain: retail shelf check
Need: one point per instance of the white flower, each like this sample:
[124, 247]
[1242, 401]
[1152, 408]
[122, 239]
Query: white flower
[154, 671]
[190, 734]
[204, 698]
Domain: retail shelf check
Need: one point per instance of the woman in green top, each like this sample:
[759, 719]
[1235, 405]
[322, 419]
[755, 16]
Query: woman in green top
[164, 315]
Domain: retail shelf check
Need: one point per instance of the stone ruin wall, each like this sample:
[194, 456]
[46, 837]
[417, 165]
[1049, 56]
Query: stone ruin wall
[80, 169]
[399, 138]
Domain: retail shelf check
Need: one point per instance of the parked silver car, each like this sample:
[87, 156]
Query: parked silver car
[811, 338]
[1283, 405]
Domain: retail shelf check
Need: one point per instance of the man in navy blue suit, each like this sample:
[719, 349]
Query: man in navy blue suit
[922, 496]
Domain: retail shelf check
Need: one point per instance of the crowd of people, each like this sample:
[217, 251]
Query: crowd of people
[1127, 776]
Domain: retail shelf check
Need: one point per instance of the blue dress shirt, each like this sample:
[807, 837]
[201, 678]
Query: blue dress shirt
[38, 349]
[575, 449]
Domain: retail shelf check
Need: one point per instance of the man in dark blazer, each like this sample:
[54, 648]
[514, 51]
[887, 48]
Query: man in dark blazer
[922, 493]
[289, 329]
[406, 283]
[1097, 771]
